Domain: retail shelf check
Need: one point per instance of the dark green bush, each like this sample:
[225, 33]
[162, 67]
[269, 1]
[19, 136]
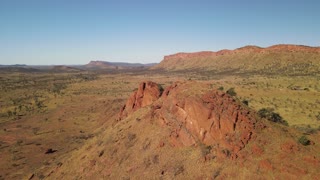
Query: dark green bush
[304, 140]
[231, 92]
[246, 102]
[268, 114]
[221, 88]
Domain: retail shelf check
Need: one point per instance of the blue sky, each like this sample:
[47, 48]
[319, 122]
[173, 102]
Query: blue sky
[77, 31]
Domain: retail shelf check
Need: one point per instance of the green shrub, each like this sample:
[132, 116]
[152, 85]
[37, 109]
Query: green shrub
[304, 140]
[268, 114]
[246, 102]
[221, 88]
[231, 92]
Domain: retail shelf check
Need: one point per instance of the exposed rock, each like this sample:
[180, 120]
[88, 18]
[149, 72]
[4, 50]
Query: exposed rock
[213, 118]
[256, 150]
[290, 147]
[210, 117]
[312, 160]
[266, 165]
[147, 93]
[161, 144]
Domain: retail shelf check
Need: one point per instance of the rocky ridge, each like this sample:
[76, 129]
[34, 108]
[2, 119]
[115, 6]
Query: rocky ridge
[213, 118]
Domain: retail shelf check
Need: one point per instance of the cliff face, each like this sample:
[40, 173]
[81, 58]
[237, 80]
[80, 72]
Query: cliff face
[291, 59]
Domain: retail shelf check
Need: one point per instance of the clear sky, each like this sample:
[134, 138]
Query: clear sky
[77, 31]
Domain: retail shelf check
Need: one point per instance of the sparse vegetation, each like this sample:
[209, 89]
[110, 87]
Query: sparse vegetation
[226, 152]
[307, 129]
[57, 88]
[43, 104]
[268, 113]
[205, 150]
[161, 89]
[318, 116]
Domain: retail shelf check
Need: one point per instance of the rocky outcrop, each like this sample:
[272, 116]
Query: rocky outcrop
[147, 93]
[212, 118]
[196, 114]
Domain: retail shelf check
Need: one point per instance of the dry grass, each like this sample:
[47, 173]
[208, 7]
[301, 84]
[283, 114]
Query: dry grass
[75, 114]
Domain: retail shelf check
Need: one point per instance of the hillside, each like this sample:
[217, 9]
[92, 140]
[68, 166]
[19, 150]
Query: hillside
[189, 130]
[284, 59]
[17, 68]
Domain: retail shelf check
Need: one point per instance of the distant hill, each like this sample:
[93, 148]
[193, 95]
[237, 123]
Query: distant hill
[17, 68]
[115, 65]
[62, 68]
[289, 59]
[92, 65]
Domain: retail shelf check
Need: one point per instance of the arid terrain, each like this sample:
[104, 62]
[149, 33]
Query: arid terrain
[249, 113]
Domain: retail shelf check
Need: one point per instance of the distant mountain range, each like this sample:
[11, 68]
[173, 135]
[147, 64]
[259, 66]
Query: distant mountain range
[92, 66]
[277, 59]
[115, 65]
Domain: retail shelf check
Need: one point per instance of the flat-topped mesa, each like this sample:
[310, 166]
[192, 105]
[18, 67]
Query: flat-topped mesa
[146, 94]
[98, 63]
